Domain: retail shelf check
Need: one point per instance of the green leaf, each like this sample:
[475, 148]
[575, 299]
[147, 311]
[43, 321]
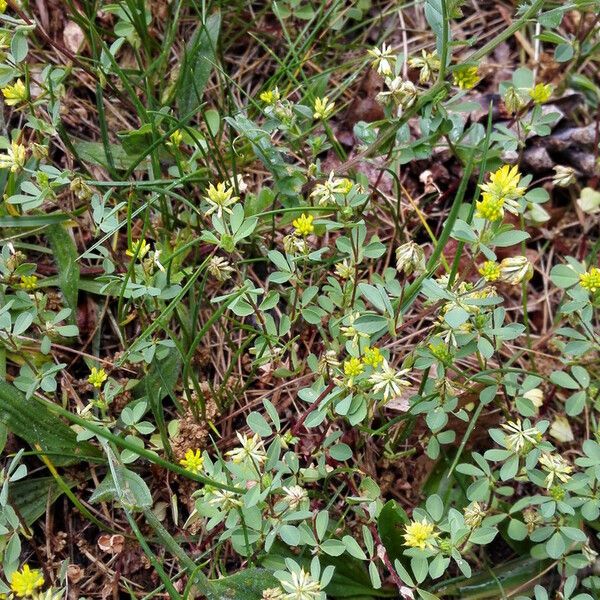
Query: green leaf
[137, 141]
[435, 507]
[159, 382]
[555, 546]
[564, 276]
[563, 52]
[245, 585]
[258, 424]
[391, 520]
[509, 238]
[129, 489]
[198, 63]
[32, 421]
[32, 496]
[65, 254]
[33, 220]
[340, 452]
[95, 154]
[564, 380]
[492, 585]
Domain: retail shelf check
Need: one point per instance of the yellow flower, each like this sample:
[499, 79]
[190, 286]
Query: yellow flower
[440, 351]
[270, 97]
[3, 6]
[383, 60]
[193, 461]
[353, 367]
[515, 269]
[490, 270]
[97, 377]
[28, 282]
[220, 198]
[323, 108]
[26, 581]
[372, 357]
[15, 93]
[250, 447]
[429, 63]
[303, 225]
[490, 208]
[556, 467]
[15, 157]
[175, 138]
[590, 280]
[466, 77]
[419, 534]
[139, 249]
[504, 183]
[541, 93]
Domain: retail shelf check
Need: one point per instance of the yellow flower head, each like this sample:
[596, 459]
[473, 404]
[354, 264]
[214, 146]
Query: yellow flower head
[440, 350]
[353, 367]
[176, 138]
[139, 249]
[3, 6]
[490, 207]
[193, 461]
[15, 157]
[344, 185]
[419, 534]
[303, 225]
[97, 377]
[466, 77]
[28, 282]
[504, 183]
[270, 97]
[490, 270]
[372, 357]
[26, 581]
[323, 108]
[220, 198]
[384, 60]
[541, 93]
[590, 280]
[515, 269]
[15, 93]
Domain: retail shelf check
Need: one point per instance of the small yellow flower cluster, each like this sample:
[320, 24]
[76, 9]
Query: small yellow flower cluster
[541, 93]
[384, 60]
[502, 190]
[372, 357]
[490, 208]
[353, 367]
[419, 534]
[139, 249]
[97, 377]
[220, 198]
[303, 225]
[193, 461]
[3, 6]
[490, 270]
[26, 581]
[270, 97]
[175, 139]
[590, 280]
[515, 269]
[466, 77]
[15, 157]
[323, 108]
[15, 93]
[28, 282]
[440, 351]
